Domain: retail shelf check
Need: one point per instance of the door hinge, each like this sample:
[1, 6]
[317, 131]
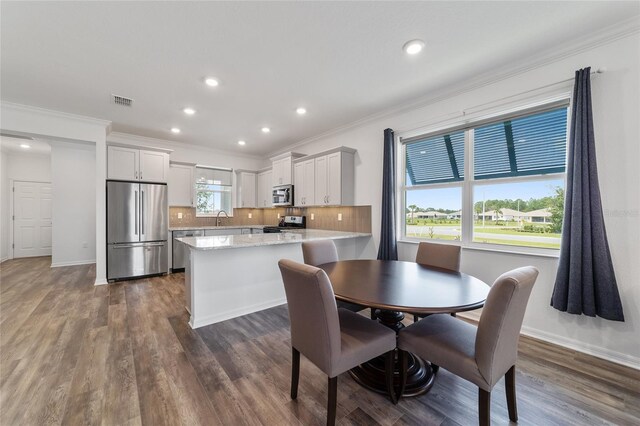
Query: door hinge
[13, 246]
[13, 217]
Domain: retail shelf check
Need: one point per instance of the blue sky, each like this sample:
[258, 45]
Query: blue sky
[451, 198]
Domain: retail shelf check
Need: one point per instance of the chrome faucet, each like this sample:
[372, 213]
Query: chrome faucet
[218, 217]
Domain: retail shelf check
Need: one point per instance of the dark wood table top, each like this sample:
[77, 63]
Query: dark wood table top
[405, 286]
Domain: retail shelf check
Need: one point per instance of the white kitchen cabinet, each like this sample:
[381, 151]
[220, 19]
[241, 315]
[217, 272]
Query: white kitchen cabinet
[123, 163]
[130, 163]
[181, 185]
[246, 189]
[282, 168]
[264, 189]
[304, 182]
[154, 166]
[334, 178]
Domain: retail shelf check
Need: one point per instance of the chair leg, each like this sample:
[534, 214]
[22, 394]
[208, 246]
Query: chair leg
[388, 369]
[373, 314]
[403, 360]
[510, 385]
[416, 318]
[295, 372]
[484, 407]
[333, 400]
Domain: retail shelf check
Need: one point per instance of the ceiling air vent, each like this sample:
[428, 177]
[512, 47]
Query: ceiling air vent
[121, 100]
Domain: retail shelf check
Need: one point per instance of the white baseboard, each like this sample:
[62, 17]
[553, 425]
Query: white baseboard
[234, 313]
[73, 263]
[4, 258]
[101, 281]
[587, 348]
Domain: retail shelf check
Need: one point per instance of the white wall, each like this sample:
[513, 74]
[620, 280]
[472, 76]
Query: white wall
[616, 96]
[59, 126]
[4, 207]
[189, 153]
[73, 169]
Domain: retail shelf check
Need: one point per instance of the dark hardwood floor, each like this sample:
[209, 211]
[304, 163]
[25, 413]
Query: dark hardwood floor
[72, 353]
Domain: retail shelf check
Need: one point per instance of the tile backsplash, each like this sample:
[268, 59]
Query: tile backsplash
[354, 218]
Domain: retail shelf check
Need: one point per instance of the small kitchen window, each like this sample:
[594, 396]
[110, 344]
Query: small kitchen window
[213, 188]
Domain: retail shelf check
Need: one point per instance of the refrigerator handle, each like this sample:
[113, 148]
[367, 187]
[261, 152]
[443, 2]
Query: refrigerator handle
[136, 214]
[142, 213]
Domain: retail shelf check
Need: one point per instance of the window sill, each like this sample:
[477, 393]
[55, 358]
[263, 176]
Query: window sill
[515, 250]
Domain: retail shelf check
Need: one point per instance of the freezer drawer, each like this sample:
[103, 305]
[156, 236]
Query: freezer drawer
[136, 259]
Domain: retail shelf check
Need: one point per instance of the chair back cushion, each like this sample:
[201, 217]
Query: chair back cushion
[319, 252]
[446, 256]
[315, 327]
[500, 323]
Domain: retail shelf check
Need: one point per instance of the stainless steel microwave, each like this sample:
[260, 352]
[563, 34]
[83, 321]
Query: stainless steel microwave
[282, 195]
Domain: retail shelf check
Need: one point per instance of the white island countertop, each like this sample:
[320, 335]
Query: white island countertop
[258, 240]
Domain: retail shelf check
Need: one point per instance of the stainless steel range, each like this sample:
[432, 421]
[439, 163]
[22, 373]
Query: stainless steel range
[287, 222]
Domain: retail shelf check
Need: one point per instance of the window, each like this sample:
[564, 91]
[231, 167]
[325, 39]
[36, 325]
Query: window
[213, 191]
[512, 193]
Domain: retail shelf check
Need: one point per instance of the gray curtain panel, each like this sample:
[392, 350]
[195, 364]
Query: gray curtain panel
[388, 249]
[586, 282]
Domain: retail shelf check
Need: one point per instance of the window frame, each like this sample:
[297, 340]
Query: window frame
[231, 187]
[469, 183]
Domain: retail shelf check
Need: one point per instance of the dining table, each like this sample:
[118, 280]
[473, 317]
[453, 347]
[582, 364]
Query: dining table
[392, 288]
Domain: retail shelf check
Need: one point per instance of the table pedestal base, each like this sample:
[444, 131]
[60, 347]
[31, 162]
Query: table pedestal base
[371, 375]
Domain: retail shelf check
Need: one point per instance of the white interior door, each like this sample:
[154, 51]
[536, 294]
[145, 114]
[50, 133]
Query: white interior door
[31, 219]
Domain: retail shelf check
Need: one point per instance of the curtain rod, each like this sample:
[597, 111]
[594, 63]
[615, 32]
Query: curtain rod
[597, 71]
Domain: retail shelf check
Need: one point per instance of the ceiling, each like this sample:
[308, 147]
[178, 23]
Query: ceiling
[11, 144]
[341, 60]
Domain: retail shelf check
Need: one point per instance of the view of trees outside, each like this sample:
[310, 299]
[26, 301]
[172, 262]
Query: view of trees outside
[212, 198]
[502, 215]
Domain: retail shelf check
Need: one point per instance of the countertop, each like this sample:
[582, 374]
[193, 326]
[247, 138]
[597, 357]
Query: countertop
[189, 228]
[258, 240]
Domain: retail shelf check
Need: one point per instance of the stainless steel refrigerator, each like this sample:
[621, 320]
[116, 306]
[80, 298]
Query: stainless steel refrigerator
[137, 228]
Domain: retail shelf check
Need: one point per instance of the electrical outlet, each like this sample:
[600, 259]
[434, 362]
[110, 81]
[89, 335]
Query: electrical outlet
[313, 216]
[179, 215]
[339, 217]
[250, 215]
[278, 215]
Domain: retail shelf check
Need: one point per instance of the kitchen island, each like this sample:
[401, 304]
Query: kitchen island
[228, 276]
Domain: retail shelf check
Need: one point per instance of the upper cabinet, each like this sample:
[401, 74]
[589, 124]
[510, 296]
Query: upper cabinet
[265, 186]
[304, 182]
[130, 163]
[246, 189]
[181, 185]
[282, 168]
[326, 178]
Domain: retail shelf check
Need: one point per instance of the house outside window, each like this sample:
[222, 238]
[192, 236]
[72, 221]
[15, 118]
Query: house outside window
[498, 182]
[213, 188]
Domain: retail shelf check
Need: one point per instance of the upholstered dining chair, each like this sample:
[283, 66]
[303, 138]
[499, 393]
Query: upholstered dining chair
[482, 354]
[444, 256]
[335, 340]
[319, 252]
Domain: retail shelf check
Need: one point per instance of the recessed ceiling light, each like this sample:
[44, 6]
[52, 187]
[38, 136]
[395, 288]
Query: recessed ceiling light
[413, 47]
[242, 143]
[301, 111]
[266, 130]
[210, 81]
[25, 146]
[189, 111]
[175, 130]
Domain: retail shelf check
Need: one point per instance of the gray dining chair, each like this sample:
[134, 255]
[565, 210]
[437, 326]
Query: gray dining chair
[444, 256]
[316, 253]
[482, 354]
[335, 340]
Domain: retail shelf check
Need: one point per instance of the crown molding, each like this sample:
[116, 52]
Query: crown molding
[53, 113]
[610, 34]
[130, 138]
